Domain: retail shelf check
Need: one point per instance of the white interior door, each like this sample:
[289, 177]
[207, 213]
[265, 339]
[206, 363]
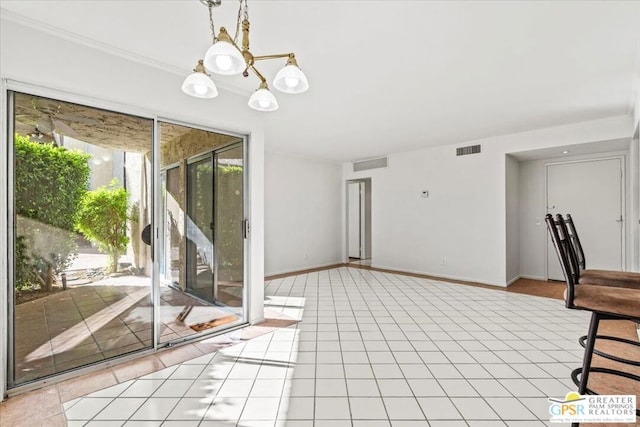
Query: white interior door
[354, 223]
[363, 223]
[591, 191]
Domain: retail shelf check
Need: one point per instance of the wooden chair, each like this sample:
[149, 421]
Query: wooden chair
[604, 302]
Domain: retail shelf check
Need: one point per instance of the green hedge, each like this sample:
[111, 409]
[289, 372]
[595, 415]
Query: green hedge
[229, 224]
[229, 218]
[50, 182]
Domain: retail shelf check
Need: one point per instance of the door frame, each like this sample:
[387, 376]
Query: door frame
[623, 202]
[361, 220]
[634, 196]
[212, 156]
[365, 219]
[244, 140]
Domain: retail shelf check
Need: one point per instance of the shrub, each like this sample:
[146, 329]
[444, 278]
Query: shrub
[49, 182]
[102, 218]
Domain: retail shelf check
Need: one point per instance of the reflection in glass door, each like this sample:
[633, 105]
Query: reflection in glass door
[200, 229]
[214, 227]
[203, 279]
[170, 220]
[229, 226]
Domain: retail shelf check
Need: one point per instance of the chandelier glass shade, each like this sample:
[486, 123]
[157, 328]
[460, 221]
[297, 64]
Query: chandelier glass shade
[225, 57]
[291, 79]
[199, 84]
[263, 100]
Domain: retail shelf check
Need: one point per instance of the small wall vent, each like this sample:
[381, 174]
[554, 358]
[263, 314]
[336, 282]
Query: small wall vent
[471, 149]
[363, 165]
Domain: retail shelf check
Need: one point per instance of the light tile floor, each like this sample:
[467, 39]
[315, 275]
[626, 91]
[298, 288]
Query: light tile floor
[373, 349]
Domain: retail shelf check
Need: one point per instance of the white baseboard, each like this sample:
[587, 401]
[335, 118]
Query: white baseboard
[513, 280]
[301, 269]
[441, 276]
[525, 276]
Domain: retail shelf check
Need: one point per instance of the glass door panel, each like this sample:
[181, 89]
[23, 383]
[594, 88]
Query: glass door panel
[171, 218]
[198, 182]
[229, 218]
[81, 272]
[200, 227]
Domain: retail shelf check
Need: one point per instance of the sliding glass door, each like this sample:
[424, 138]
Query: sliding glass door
[87, 226]
[204, 209]
[80, 271]
[215, 226]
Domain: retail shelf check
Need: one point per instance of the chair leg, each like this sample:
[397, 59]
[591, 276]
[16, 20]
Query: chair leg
[588, 355]
[588, 352]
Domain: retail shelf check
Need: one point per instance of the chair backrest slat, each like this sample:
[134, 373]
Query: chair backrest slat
[562, 244]
[577, 246]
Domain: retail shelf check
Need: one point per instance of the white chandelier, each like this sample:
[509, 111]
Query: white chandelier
[225, 57]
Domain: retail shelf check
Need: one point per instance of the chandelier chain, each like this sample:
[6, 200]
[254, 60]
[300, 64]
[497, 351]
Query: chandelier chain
[211, 24]
[243, 11]
[235, 36]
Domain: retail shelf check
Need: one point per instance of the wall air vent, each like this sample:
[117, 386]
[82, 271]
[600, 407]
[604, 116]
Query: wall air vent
[471, 149]
[363, 165]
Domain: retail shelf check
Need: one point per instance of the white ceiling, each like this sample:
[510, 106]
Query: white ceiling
[390, 76]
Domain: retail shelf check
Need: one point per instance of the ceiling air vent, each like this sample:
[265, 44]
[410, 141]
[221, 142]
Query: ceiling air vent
[471, 149]
[364, 165]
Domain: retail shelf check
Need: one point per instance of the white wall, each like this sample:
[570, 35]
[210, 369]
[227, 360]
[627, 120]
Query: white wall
[51, 66]
[463, 220]
[512, 173]
[303, 212]
[636, 108]
[416, 234]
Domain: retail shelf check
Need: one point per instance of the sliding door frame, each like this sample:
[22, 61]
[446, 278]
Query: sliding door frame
[7, 224]
[246, 209]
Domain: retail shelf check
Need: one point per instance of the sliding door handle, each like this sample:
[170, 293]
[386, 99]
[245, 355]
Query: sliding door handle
[245, 228]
